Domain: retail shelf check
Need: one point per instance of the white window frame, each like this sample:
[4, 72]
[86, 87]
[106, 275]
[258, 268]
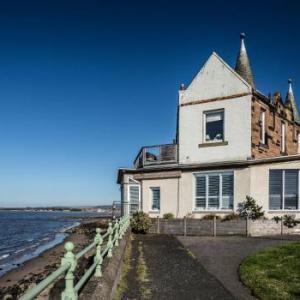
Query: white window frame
[283, 192]
[219, 209]
[283, 133]
[151, 198]
[222, 111]
[129, 198]
[263, 127]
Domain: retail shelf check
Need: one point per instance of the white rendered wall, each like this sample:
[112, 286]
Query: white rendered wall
[259, 185]
[237, 132]
[216, 79]
[168, 196]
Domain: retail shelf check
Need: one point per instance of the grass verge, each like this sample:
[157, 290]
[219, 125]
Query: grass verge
[273, 273]
[142, 273]
[122, 285]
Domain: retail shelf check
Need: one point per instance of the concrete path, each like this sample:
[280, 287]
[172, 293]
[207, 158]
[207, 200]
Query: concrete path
[161, 268]
[221, 256]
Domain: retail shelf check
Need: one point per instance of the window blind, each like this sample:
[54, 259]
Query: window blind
[134, 198]
[291, 189]
[227, 191]
[214, 191]
[284, 189]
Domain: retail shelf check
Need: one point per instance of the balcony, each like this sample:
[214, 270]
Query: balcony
[156, 155]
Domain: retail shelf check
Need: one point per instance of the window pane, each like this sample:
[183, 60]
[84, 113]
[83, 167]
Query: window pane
[291, 189]
[134, 194]
[214, 126]
[213, 191]
[134, 198]
[227, 191]
[155, 198]
[200, 191]
[275, 189]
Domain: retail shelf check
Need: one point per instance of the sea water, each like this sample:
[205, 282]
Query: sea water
[24, 235]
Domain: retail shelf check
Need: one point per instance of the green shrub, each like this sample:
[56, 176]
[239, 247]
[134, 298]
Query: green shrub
[168, 216]
[289, 221]
[249, 208]
[277, 219]
[231, 216]
[140, 222]
[210, 217]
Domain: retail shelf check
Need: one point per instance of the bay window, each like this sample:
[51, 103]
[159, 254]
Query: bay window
[213, 191]
[284, 189]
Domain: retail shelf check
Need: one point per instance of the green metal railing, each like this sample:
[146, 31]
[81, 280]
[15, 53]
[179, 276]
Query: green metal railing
[113, 234]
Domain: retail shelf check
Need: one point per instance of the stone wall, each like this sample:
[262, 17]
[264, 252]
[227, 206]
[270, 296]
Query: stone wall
[271, 227]
[274, 116]
[104, 287]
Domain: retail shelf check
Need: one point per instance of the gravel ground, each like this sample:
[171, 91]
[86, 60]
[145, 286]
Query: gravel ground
[169, 272]
[221, 256]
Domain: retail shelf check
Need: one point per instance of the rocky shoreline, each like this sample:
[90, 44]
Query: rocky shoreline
[27, 275]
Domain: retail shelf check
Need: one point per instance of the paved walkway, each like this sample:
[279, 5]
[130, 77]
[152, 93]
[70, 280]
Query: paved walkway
[221, 256]
[160, 268]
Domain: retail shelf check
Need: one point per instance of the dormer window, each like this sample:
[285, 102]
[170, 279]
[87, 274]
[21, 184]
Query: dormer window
[214, 126]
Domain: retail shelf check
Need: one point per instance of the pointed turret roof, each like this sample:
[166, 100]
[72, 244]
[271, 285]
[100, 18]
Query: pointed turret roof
[242, 66]
[291, 102]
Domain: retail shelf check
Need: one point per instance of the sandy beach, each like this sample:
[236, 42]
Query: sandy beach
[16, 281]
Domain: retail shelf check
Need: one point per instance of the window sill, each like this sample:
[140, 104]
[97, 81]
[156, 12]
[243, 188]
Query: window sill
[284, 211]
[213, 144]
[262, 145]
[213, 211]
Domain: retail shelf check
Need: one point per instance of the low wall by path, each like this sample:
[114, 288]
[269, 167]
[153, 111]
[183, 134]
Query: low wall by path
[215, 227]
[104, 287]
[271, 227]
[198, 227]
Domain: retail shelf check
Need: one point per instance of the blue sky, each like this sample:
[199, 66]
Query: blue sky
[84, 84]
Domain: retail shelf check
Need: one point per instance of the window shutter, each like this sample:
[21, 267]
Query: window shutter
[291, 189]
[213, 191]
[200, 191]
[275, 189]
[227, 191]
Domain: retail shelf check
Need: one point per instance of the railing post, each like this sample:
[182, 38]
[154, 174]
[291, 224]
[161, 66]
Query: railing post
[110, 243]
[98, 257]
[69, 293]
[121, 227]
[116, 238]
